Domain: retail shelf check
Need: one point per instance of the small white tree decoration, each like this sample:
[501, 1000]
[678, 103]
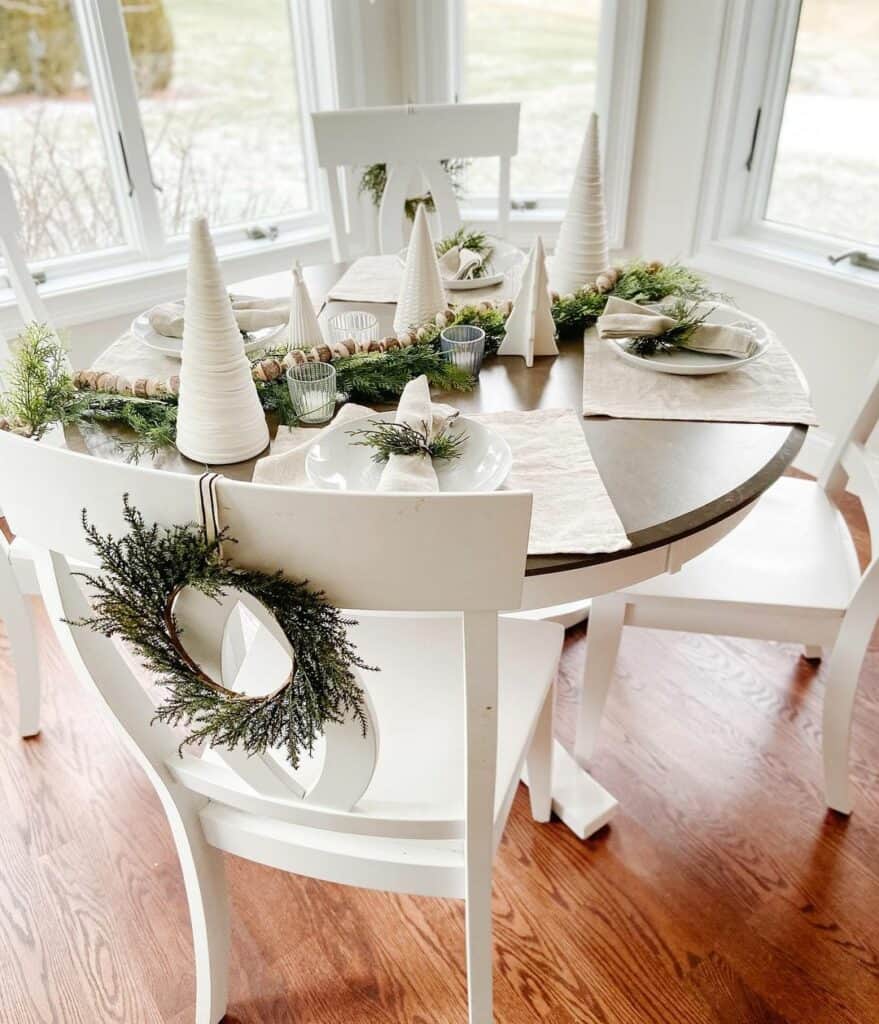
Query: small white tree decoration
[581, 252]
[530, 327]
[303, 329]
[421, 291]
[219, 416]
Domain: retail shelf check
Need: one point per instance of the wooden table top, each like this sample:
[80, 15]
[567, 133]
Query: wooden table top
[667, 479]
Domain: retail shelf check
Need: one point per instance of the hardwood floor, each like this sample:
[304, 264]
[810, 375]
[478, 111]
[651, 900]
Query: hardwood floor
[723, 891]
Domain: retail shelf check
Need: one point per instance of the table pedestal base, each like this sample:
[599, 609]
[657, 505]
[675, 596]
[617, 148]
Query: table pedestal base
[581, 803]
[567, 615]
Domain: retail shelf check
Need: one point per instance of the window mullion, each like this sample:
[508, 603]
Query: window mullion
[105, 43]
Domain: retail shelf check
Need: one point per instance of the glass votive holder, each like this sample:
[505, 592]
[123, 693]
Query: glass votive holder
[465, 345]
[356, 324]
[312, 391]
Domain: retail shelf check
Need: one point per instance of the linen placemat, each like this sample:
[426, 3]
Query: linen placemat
[572, 512]
[766, 390]
[377, 279]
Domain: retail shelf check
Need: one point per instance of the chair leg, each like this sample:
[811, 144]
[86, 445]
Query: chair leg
[812, 652]
[479, 946]
[539, 762]
[606, 618]
[16, 613]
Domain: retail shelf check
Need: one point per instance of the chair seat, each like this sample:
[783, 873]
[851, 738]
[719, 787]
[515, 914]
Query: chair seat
[793, 551]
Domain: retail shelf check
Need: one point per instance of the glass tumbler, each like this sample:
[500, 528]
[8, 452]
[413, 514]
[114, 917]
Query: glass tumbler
[465, 345]
[356, 324]
[312, 391]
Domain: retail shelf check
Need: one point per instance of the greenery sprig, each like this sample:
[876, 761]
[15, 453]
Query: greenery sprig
[133, 599]
[382, 376]
[38, 386]
[688, 321]
[402, 439]
[374, 179]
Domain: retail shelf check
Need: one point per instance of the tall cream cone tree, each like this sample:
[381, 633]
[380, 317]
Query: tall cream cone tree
[421, 291]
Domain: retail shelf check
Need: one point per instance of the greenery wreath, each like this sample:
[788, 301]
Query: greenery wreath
[133, 598]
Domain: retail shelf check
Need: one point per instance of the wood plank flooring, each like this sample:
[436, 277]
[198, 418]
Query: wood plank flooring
[723, 892]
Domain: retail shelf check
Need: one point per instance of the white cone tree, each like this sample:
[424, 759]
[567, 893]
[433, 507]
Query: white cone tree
[421, 290]
[219, 418]
[303, 329]
[530, 326]
[581, 252]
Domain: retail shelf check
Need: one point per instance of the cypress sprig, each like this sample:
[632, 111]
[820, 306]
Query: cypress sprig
[688, 322]
[402, 439]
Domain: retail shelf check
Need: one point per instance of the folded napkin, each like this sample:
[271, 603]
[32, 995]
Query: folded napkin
[622, 319]
[251, 313]
[458, 264]
[416, 472]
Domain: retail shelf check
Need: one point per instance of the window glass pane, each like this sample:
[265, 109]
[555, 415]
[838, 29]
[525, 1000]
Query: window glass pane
[49, 139]
[827, 164]
[217, 83]
[544, 55]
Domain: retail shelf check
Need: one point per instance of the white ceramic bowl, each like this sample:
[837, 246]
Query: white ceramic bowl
[335, 463]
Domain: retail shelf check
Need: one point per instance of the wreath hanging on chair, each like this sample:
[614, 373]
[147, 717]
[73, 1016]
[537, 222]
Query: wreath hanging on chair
[133, 597]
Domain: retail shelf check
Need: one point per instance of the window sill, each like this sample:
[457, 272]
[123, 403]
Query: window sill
[133, 286]
[795, 273]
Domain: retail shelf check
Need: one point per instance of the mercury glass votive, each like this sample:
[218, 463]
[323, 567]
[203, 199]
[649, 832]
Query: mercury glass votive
[465, 345]
[312, 391]
[356, 324]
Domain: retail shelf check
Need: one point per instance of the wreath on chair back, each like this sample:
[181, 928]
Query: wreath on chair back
[133, 598]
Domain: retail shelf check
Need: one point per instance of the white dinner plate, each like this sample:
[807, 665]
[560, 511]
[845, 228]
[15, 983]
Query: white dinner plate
[336, 463]
[505, 260]
[697, 364]
[173, 347]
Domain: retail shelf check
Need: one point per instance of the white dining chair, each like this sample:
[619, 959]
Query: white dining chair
[410, 141]
[790, 573]
[460, 706]
[16, 565]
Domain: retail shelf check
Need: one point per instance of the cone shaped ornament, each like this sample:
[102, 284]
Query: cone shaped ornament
[530, 326]
[421, 291]
[581, 251]
[219, 417]
[303, 330]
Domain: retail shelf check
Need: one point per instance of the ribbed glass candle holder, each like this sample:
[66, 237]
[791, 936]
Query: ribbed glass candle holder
[313, 391]
[356, 324]
[465, 345]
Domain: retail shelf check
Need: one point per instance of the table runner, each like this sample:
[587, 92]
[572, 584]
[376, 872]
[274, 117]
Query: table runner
[572, 511]
[377, 279]
[767, 390]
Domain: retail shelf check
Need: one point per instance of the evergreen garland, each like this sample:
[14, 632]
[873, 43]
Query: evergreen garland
[133, 598]
[382, 376]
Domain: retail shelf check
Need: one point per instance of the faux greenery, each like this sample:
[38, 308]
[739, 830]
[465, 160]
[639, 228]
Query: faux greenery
[688, 321]
[38, 386]
[133, 598]
[468, 238]
[375, 178]
[381, 376]
[152, 420]
[401, 439]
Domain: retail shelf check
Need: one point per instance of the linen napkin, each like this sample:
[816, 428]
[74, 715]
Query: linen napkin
[622, 319]
[459, 264]
[251, 313]
[416, 472]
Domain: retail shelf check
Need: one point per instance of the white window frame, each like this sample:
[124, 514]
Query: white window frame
[436, 29]
[148, 260]
[732, 238]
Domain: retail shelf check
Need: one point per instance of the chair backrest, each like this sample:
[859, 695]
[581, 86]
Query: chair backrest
[850, 460]
[28, 298]
[460, 553]
[412, 140]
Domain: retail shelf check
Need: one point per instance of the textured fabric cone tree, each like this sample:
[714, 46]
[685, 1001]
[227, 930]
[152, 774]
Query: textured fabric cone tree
[530, 327]
[303, 330]
[421, 290]
[581, 252]
[220, 418]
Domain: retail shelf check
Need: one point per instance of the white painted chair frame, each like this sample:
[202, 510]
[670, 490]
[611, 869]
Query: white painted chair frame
[845, 626]
[16, 576]
[411, 141]
[255, 807]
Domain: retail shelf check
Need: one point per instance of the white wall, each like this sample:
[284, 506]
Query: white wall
[681, 52]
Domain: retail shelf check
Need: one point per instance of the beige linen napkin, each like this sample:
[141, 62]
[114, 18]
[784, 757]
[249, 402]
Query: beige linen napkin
[458, 264]
[416, 472]
[251, 313]
[622, 319]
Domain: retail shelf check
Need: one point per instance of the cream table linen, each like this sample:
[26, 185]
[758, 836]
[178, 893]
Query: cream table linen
[766, 390]
[572, 511]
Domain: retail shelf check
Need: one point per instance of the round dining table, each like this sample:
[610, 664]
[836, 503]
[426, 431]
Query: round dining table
[677, 486]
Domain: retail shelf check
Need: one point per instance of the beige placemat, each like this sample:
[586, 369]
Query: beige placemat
[132, 358]
[377, 279]
[767, 390]
[572, 511]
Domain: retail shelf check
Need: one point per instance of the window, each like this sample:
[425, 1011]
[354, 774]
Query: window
[119, 121]
[793, 153]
